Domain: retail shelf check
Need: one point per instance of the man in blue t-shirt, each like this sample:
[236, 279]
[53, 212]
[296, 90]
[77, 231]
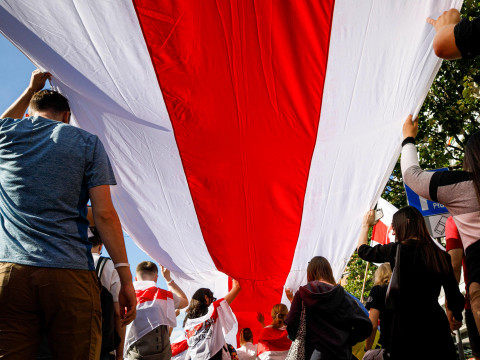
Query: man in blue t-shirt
[48, 172]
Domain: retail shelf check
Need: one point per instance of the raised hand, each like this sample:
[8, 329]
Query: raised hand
[410, 128]
[38, 80]
[449, 17]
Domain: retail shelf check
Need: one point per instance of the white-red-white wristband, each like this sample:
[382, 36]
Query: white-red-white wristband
[122, 265]
[170, 282]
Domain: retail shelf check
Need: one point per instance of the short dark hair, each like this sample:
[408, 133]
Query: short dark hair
[247, 334]
[147, 267]
[94, 237]
[48, 100]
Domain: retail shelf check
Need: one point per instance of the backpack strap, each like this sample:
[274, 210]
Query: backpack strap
[100, 265]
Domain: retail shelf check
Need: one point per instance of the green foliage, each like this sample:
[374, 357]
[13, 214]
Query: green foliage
[450, 110]
[356, 267]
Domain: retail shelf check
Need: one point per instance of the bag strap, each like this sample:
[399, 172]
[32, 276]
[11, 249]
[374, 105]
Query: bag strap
[101, 265]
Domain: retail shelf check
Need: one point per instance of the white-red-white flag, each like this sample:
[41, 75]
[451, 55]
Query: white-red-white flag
[382, 231]
[246, 136]
[155, 307]
[179, 348]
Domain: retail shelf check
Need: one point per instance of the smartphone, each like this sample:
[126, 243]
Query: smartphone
[378, 214]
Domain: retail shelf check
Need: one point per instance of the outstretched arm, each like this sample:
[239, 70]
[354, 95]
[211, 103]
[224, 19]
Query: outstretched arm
[444, 41]
[232, 294]
[367, 222]
[174, 288]
[18, 108]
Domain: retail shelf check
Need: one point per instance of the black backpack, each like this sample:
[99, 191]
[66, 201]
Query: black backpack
[110, 338]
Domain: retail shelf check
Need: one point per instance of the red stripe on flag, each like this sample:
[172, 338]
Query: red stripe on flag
[178, 348]
[379, 233]
[151, 294]
[243, 84]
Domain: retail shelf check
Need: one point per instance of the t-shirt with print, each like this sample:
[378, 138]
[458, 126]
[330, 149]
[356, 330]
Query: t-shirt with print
[47, 168]
[206, 334]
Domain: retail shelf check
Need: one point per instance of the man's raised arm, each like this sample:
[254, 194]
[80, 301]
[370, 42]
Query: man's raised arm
[18, 108]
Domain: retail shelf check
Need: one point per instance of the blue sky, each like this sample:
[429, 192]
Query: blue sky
[15, 76]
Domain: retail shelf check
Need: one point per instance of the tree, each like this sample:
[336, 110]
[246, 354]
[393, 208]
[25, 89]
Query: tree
[449, 115]
[356, 268]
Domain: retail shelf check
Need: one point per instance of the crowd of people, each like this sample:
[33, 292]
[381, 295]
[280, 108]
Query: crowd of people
[62, 300]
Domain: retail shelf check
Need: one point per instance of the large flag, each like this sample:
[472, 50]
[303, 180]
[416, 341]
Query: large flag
[246, 136]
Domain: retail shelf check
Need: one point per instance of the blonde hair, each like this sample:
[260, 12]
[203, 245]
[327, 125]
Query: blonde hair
[383, 274]
[279, 312]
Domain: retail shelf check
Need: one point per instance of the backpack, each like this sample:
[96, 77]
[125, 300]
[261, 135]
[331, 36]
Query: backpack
[110, 338]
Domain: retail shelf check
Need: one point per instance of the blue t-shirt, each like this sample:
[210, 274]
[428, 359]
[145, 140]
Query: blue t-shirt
[46, 170]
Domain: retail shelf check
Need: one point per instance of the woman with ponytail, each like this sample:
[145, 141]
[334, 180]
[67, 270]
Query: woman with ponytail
[207, 320]
[418, 321]
[273, 342]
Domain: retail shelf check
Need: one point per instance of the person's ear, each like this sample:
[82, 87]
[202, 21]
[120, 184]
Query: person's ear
[66, 117]
[155, 278]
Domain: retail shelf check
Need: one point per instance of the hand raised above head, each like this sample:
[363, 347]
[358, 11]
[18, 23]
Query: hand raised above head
[369, 219]
[166, 273]
[449, 17]
[410, 128]
[38, 80]
[289, 294]
[261, 318]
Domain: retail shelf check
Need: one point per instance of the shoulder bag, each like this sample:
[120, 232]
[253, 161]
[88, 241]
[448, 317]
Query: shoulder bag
[297, 350]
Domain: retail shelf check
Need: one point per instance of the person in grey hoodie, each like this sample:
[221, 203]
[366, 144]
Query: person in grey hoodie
[335, 322]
